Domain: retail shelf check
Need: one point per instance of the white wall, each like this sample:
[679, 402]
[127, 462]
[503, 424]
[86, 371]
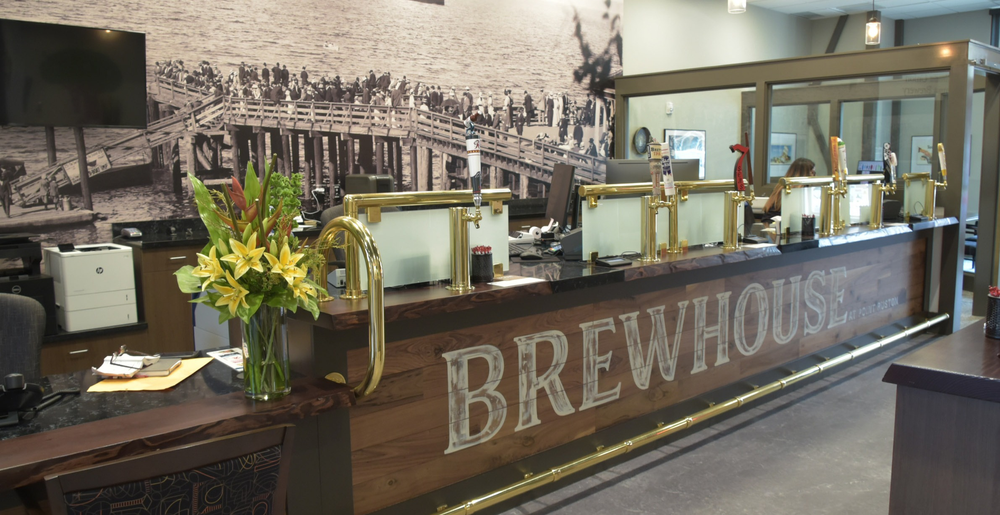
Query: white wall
[852, 39]
[715, 112]
[952, 27]
[662, 35]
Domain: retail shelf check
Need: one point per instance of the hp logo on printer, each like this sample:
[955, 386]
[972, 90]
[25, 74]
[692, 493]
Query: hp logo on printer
[100, 270]
[16, 289]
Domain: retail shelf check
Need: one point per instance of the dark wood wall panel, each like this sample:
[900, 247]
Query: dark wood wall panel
[401, 432]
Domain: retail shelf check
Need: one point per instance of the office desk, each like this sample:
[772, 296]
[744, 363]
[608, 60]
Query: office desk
[480, 388]
[99, 427]
[946, 444]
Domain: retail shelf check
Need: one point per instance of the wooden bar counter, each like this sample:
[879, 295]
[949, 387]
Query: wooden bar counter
[481, 388]
[946, 446]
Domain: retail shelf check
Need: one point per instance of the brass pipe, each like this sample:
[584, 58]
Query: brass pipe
[838, 190]
[376, 308]
[602, 454]
[930, 190]
[458, 227]
[650, 207]
[875, 218]
[789, 182]
[865, 177]
[878, 193]
[374, 202]
[592, 191]
[731, 211]
[825, 211]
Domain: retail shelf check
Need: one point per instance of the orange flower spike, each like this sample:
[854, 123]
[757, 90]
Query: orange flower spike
[250, 214]
[239, 198]
[225, 219]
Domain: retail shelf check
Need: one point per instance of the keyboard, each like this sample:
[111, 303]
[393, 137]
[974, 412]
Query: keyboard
[517, 248]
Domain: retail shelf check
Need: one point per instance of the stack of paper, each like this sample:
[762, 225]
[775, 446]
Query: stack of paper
[123, 365]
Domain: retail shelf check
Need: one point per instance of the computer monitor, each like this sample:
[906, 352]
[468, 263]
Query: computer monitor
[558, 206]
[625, 171]
[368, 183]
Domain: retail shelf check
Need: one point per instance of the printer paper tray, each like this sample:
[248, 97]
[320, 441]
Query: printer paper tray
[95, 300]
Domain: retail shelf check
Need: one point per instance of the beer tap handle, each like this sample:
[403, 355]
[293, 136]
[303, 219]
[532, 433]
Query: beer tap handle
[942, 162]
[472, 149]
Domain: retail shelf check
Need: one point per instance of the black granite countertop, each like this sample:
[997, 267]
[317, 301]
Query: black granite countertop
[213, 379]
[178, 232]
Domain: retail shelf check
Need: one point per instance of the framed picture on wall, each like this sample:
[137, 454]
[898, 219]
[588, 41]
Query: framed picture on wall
[921, 153]
[780, 154]
[687, 144]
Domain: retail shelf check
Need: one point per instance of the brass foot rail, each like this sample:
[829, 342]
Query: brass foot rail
[602, 454]
[376, 309]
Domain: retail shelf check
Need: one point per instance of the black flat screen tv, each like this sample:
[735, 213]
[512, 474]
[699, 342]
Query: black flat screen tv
[67, 76]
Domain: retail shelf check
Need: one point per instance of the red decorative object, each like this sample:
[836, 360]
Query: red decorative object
[481, 250]
[995, 292]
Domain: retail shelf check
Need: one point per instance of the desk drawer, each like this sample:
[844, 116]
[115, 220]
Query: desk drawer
[169, 259]
[74, 355]
[65, 357]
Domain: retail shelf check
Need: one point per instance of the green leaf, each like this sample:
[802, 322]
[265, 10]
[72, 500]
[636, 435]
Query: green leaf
[187, 282]
[203, 198]
[313, 307]
[285, 299]
[252, 187]
[200, 300]
[253, 303]
[316, 285]
[224, 315]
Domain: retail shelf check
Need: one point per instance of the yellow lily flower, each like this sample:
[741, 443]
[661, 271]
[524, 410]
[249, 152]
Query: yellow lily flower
[234, 296]
[302, 289]
[285, 264]
[208, 267]
[245, 257]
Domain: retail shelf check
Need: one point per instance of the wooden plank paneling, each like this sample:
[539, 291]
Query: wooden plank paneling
[401, 432]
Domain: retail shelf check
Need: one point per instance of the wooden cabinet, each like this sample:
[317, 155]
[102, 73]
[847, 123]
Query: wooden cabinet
[167, 311]
[83, 353]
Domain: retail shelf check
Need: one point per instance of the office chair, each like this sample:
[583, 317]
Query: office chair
[21, 337]
[242, 473]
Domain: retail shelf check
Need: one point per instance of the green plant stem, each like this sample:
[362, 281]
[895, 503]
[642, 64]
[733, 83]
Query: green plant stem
[264, 370]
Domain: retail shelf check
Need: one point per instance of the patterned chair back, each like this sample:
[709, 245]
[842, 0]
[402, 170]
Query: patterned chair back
[243, 473]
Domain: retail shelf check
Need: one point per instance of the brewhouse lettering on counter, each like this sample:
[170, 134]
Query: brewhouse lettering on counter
[823, 296]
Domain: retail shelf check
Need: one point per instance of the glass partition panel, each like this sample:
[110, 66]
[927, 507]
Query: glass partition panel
[800, 127]
[897, 110]
[700, 125]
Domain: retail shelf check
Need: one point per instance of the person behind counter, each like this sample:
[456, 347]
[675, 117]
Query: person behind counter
[801, 167]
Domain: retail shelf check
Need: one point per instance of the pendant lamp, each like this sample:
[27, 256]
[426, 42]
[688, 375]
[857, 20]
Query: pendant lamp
[873, 29]
[737, 6]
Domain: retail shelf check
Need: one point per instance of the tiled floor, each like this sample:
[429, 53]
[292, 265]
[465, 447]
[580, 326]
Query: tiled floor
[825, 448]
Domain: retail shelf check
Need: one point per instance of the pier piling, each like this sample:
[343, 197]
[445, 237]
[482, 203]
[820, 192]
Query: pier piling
[379, 155]
[81, 156]
[317, 143]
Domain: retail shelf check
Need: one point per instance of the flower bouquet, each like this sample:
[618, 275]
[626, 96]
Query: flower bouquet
[255, 269]
[992, 326]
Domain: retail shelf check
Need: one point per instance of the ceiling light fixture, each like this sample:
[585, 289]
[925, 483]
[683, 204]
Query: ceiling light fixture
[873, 29]
[737, 6]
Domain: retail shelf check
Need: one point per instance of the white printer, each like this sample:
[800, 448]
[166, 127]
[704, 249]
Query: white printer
[95, 286]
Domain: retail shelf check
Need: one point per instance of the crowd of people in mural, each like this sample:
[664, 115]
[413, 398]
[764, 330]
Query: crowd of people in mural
[507, 111]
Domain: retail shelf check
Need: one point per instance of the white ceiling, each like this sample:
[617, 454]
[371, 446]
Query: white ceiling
[893, 9]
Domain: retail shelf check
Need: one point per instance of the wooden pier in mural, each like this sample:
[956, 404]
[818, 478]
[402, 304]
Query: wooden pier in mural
[327, 141]
[323, 141]
[185, 114]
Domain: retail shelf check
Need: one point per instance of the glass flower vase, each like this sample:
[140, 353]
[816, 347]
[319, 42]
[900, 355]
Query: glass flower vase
[265, 355]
